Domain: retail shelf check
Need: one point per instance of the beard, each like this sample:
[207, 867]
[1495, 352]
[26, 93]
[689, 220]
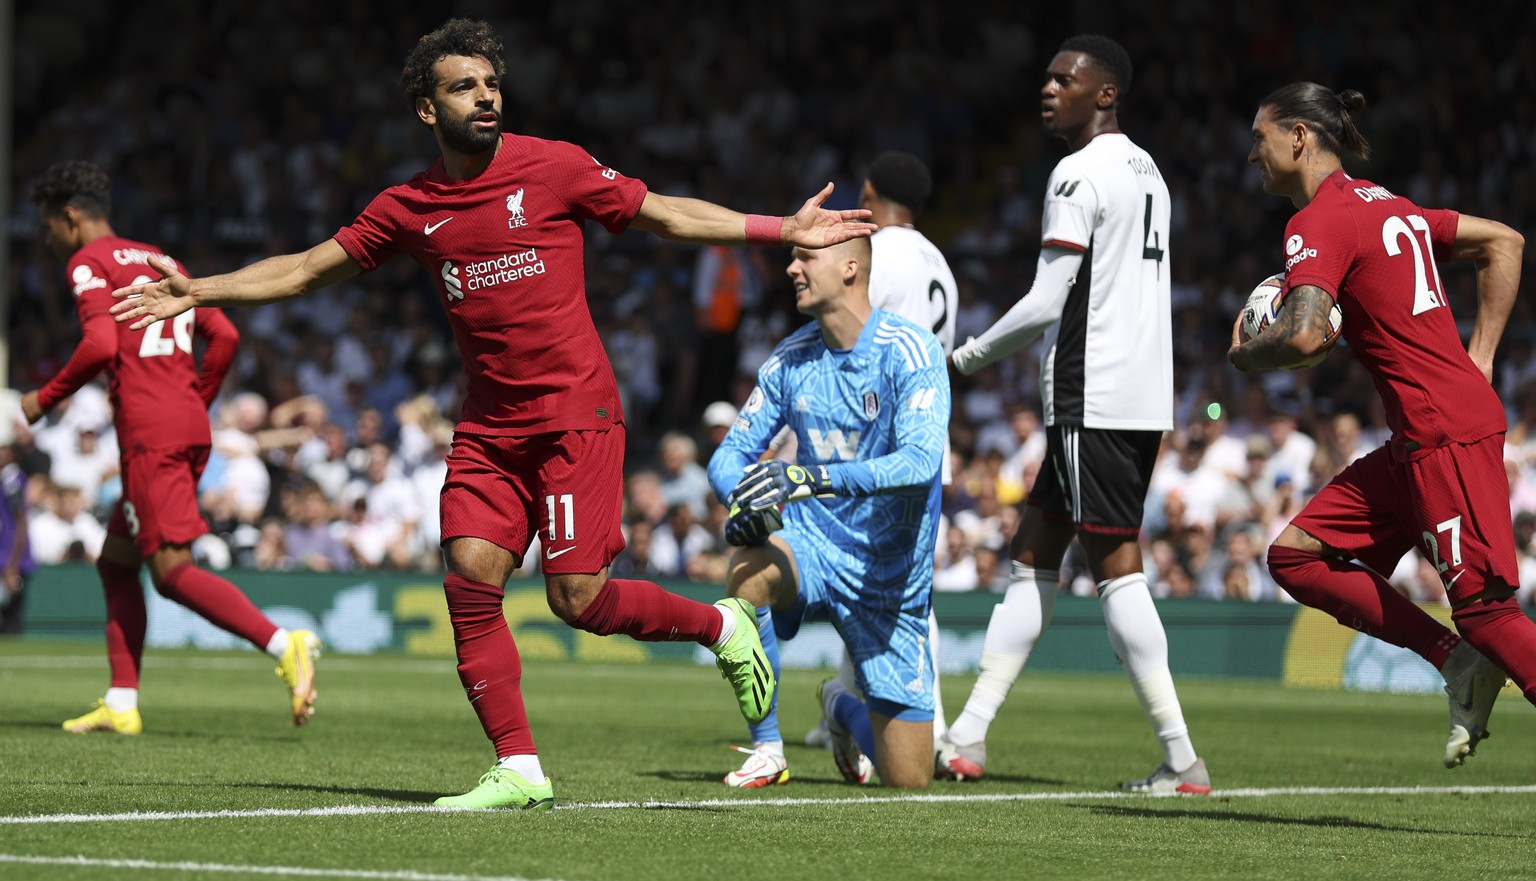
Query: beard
[462, 136]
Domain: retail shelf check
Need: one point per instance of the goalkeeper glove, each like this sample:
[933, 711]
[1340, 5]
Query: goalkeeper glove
[772, 483]
[748, 527]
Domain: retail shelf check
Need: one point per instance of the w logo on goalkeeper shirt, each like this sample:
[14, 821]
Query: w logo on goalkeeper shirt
[834, 444]
[1065, 189]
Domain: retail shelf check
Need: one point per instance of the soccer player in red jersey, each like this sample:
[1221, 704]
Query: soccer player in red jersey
[1439, 483]
[160, 405]
[497, 223]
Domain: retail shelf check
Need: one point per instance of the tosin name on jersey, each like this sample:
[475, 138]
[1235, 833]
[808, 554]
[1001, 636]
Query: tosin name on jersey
[1143, 166]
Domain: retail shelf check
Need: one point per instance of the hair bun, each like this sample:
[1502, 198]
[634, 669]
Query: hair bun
[1351, 100]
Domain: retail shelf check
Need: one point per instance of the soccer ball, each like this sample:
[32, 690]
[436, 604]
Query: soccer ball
[1264, 304]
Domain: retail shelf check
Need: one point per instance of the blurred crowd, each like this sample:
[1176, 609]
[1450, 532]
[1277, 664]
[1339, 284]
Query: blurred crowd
[331, 430]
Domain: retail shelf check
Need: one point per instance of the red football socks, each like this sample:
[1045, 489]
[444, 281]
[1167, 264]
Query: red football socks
[125, 621]
[489, 667]
[646, 612]
[1500, 630]
[1362, 600]
[219, 602]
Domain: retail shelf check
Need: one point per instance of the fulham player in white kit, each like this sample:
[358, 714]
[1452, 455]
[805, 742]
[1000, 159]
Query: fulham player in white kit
[1101, 297]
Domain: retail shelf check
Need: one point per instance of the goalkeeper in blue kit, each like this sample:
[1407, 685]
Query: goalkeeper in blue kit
[866, 393]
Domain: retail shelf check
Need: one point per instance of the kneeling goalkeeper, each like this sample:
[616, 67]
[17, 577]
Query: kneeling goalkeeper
[866, 394]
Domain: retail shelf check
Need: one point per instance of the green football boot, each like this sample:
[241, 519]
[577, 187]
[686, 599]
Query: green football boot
[504, 788]
[744, 664]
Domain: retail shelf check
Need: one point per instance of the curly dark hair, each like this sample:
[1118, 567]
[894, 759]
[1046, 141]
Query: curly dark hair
[458, 36]
[902, 178]
[74, 182]
[1108, 56]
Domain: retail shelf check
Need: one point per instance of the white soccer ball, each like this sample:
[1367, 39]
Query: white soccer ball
[1264, 304]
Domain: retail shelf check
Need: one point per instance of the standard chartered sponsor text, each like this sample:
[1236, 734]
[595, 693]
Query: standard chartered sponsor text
[506, 268]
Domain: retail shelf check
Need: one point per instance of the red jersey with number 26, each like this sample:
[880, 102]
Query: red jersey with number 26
[1376, 253]
[505, 250]
[159, 398]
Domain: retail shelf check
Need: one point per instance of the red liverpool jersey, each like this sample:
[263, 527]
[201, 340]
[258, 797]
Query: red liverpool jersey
[159, 398]
[505, 251]
[1376, 253]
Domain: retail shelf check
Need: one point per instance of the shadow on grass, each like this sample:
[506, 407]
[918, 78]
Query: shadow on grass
[715, 776]
[944, 786]
[284, 736]
[685, 776]
[1021, 778]
[406, 795]
[1330, 822]
[52, 726]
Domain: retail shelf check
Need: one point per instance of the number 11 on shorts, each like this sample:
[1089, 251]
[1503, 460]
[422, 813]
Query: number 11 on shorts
[558, 506]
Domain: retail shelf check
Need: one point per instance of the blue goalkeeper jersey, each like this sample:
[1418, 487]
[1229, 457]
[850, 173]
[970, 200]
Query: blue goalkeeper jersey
[876, 417]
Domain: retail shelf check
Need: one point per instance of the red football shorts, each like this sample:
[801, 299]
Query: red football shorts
[1451, 503]
[159, 503]
[567, 484]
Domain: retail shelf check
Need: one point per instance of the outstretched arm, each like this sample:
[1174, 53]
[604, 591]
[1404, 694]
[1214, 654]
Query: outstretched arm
[1030, 316]
[1497, 250]
[704, 223]
[275, 278]
[1298, 333]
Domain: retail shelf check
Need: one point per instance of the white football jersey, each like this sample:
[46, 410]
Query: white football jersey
[909, 276]
[1108, 363]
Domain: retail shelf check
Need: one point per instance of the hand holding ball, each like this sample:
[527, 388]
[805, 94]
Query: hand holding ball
[1264, 305]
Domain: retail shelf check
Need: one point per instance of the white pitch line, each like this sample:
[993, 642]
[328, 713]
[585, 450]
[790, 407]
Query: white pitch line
[367, 810]
[303, 871]
[1055, 796]
[159, 816]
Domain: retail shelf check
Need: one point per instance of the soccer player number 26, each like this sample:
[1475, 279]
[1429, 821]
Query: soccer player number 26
[155, 345]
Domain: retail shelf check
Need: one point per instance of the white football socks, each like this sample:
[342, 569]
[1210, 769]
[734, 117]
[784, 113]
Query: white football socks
[526, 765]
[1137, 636]
[278, 644]
[727, 629]
[845, 673]
[771, 747]
[1017, 624]
[121, 700]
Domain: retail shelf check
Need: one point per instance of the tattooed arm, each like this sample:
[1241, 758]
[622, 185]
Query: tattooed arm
[1297, 334]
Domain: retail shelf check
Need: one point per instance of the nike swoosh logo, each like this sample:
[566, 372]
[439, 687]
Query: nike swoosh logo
[434, 227]
[1448, 584]
[551, 554]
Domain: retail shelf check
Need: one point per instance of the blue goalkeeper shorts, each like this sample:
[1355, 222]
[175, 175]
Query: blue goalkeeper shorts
[888, 643]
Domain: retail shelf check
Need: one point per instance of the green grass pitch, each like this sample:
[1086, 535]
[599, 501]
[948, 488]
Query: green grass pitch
[636, 753]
